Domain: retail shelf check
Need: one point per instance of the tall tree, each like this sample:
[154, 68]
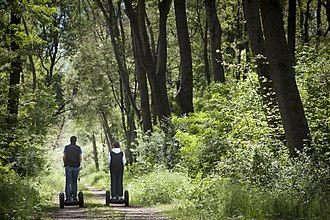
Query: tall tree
[282, 73]
[318, 19]
[105, 125]
[257, 42]
[327, 9]
[155, 69]
[32, 65]
[202, 25]
[16, 69]
[96, 158]
[215, 37]
[143, 87]
[161, 62]
[184, 96]
[58, 34]
[301, 19]
[111, 21]
[306, 24]
[292, 26]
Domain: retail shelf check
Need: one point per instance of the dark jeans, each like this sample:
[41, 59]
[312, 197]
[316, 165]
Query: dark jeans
[71, 174]
[116, 183]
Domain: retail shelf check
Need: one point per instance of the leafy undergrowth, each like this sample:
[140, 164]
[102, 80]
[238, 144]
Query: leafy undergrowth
[19, 198]
[158, 187]
[215, 197]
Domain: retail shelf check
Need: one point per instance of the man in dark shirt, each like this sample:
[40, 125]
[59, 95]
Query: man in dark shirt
[116, 162]
[72, 158]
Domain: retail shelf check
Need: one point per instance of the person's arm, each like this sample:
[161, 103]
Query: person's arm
[109, 158]
[124, 159]
[64, 155]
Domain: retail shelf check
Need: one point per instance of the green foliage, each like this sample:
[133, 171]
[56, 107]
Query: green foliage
[35, 117]
[19, 198]
[155, 148]
[37, 110]
[228, 121]
[228, 137]
[313, 74]
[215, 197]
[157, 187]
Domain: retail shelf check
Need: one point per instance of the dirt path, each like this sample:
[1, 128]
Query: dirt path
[95, 208]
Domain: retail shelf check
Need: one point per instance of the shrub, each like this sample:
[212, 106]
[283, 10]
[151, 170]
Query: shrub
[215, 197]
[19, 199]
[158, 187]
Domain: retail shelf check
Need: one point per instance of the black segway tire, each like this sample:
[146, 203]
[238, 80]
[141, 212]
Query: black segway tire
[61, 198]
[126, 198]
[81, 199]
[107, 198]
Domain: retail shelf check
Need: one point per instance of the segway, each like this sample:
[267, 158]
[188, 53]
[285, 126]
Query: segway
[109, 200]
[79, 202]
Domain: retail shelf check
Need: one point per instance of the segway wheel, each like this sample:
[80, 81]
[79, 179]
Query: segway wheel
[81, 199]
[107, 198]
[126, 197]
[61, 196]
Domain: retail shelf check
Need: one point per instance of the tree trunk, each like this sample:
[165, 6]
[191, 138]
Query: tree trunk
[292, 27]
[143, 88]
[184, 96]
[205, 56]
[96, 158]
[10, 151]
[238, 34]
[130, 136]
[32, 67]
[301, 19]
[204, 37]
[215, 35]
[306, 34]
[318, 19]
[327, 9]
[256, 38]
[158, 91]
[145, 59]
[16, 68]
[282, 73]
[109, 138]
[161, 62]
[118, 50]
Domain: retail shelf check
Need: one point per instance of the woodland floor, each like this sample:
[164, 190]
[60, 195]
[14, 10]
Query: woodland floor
[95, 208]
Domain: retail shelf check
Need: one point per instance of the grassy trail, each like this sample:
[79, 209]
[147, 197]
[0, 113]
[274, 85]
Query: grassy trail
[95, 208]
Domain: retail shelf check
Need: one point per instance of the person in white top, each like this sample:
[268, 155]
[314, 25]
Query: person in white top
[116, 161]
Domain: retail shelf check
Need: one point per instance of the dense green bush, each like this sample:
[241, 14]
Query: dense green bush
[158, 187]
[228, 137]
[229, 124]
[219, 198]
[155, 148]
[19, 198]
[313, 78]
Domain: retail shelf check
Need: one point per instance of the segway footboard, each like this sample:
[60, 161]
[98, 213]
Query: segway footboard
[79, 202]
[109, 200]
